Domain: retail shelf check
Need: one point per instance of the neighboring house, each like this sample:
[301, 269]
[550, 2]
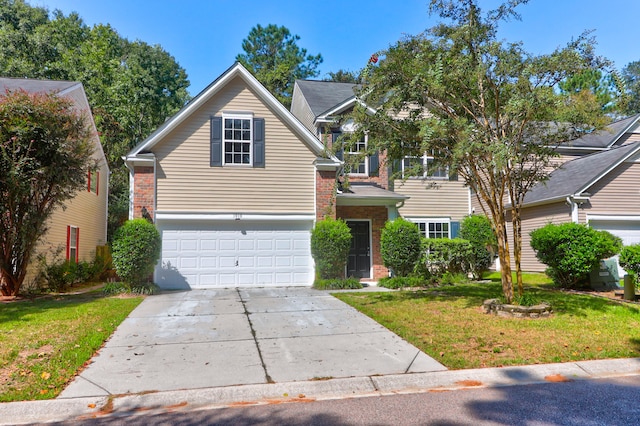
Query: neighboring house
[597, 185]
[377, 190]
[74, 232]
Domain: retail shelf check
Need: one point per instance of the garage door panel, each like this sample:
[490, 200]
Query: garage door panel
[201, 254]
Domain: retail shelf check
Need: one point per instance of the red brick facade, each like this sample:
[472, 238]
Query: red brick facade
[325, 194]
[144, 191]
[378, 216]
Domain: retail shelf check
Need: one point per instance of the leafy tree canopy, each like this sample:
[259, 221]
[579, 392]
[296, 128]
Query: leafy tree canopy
[274, 58]
[44, 157]
[631, 76]
[343, 76]
[132, 87]
[487, 108]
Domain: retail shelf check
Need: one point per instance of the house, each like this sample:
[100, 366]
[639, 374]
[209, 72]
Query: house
[597, 185]
[74, 232]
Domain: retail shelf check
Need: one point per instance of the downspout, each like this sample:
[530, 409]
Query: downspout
[574, 209]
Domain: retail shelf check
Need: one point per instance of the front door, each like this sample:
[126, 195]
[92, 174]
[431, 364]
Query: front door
[359, 264]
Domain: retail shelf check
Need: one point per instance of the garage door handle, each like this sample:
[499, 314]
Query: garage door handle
[236, 263]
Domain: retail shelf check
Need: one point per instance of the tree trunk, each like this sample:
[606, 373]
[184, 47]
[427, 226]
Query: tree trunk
[517, 247]
[8, 284]
[505, 261]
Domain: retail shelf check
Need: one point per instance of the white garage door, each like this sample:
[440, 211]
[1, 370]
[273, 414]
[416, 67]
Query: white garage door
[628, 230]
[215, 254]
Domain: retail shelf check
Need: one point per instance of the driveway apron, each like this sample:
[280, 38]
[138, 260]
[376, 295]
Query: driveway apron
[213, 338]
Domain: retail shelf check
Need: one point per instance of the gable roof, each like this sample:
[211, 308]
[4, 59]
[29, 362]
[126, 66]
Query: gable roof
[236, 70]
[324, 96]
[576, 176]
[605, 138]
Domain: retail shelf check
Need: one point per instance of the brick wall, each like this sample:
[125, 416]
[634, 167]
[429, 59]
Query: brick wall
[143, 191]
[378, 216]
[325, 194]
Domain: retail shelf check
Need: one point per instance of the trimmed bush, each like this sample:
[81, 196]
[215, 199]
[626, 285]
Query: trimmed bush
[630, 260]
[443, 255]
[135, 251]
[477, 230]
[330, 244]
[572, 251]
[337, 284]
[400, 245]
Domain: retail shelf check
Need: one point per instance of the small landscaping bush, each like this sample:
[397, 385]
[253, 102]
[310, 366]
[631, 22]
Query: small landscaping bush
[477, 230]
[400, 245]
[124, 288]
[630, 260]
[136, 250]
[58, 275]
[337, 284]
[572, 251]
[330, 244]
[442, 255]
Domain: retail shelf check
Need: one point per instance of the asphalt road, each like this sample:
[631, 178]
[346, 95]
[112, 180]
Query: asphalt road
[583, 402]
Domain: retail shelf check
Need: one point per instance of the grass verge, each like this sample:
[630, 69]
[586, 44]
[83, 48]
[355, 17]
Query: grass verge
[43, 342]
[448, 324]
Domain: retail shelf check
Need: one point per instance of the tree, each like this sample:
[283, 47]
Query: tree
[132, 87]
[274, 58]
[605, 87]
[44, 157]
[343, 76]
[489, 110]
[631, 76]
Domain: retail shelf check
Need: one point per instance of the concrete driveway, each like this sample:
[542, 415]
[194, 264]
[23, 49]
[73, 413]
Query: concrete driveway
[215, 338]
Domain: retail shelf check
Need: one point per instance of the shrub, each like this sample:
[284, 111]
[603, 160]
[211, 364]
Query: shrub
[630, 260]
[400, 245]
[477, 230]
[337, 284]
[124, 288]
[136, 250]
[442, 255]
[572, 251]
[330, 244]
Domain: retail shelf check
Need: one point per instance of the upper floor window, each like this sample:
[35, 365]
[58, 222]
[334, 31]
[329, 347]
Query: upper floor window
[93, 181]
[238, 140]
[424, 167]
[359, 164]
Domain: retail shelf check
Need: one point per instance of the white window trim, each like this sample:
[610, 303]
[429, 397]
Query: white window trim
[241, 116]
[428, 220]
[365, 159]
[425, 160]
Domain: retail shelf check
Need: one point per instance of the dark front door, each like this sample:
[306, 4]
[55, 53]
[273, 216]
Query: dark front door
[359, 264]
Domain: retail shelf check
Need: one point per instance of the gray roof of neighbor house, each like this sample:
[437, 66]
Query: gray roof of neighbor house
[322, 96]
[576, 176]
[604, 138]
[34, 86]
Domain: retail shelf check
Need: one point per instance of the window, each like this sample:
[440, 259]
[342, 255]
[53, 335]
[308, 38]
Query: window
[93, 181]
[433, 228]
[424, 167]
[237, 140]
[360, 163]
[73, 238]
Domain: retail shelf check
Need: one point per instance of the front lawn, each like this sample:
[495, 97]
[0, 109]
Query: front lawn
[44, 342]
[448, 324]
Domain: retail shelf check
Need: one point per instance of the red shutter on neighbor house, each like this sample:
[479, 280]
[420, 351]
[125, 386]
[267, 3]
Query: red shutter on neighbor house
[89, 180]
[68, 241]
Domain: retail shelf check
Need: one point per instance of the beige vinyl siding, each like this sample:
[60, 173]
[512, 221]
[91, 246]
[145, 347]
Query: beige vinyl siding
[534, 218]
[446, 199]
[629, 138]
[187, 183]
[618, 193]
[301, 110]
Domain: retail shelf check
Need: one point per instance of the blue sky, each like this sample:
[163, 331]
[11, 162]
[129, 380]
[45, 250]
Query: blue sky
[206, 35]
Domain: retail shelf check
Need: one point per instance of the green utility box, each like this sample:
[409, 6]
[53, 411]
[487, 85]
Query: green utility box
[606, 277]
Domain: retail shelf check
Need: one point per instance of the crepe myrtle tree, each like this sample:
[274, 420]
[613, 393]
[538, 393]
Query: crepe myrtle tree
[486, 108]
[44, 157]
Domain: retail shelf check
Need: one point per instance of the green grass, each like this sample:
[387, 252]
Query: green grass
[449, 324]
[45, 341]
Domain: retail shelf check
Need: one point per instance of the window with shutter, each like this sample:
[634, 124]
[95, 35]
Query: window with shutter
[237, 139]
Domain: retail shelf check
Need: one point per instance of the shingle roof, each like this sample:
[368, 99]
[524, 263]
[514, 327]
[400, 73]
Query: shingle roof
[34, 86]
[577, 175]
[603, 138]
[324, 95]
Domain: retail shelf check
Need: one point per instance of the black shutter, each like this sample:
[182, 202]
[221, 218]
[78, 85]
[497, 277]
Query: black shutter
[374, 164]
[258, 142]
[334, 140]
[216, 142]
